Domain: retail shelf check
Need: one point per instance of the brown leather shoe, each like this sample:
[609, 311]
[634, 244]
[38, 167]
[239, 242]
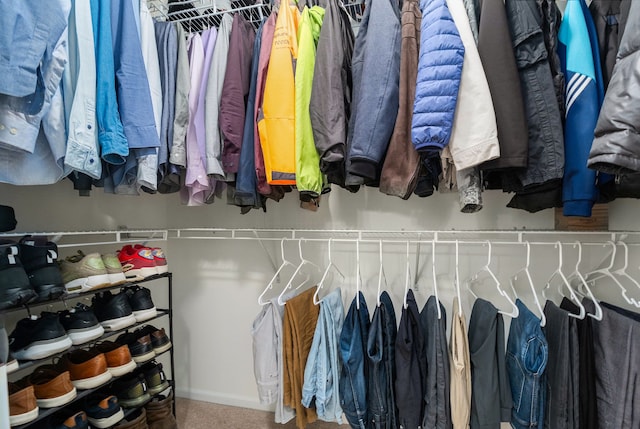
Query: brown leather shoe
[88, 368]
[119, 361]
[52, 387]
[159, 338]
[160, 413]
[139, 345]
[23, 407]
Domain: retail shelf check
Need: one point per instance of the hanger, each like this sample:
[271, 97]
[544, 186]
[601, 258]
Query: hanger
[381, 275]
[284, 264]
[457, 281]
[435, 280]
[565, 282]
[316, 301]
[606, 272]
[487, 269]
[622, 272]
[407, 279]
[583, 282]
[525, 270]
[303, 262]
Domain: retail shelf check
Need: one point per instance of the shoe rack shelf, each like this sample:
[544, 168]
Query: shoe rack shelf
[44, 413]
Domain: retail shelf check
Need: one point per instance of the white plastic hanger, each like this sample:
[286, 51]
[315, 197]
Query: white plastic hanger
[381, 275]
[487, 269]
[457, 281]
[622, 272]
[358, 275]
[606, 272]
[331, 265]
[407, 280]
[565, 282]
[525, 270]
[303, 262]
[435, 279]
[284, 264]
[584, 285]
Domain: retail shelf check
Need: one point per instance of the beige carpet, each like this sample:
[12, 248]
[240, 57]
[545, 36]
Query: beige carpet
[204, 415]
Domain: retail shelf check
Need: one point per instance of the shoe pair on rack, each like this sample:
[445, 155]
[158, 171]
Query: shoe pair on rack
[146, 342]
[40, 337]
[82, 273]
[131, 305]
[139, 262]
[28, 271]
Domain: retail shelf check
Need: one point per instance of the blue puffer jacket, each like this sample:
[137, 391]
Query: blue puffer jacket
[439, 71]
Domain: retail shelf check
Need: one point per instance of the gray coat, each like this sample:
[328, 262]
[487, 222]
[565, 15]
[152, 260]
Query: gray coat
[616, 147]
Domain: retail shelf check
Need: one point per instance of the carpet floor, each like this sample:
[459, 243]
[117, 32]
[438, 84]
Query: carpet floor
[204, 415]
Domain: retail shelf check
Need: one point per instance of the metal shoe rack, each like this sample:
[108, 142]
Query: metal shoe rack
[79, 240]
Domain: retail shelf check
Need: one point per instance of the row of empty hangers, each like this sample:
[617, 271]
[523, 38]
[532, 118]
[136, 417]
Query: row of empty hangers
[575, 293]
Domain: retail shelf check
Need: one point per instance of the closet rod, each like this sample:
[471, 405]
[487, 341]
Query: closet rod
[183, 17]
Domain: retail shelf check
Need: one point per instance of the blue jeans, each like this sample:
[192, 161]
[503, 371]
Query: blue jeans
[527, 355]
[353, 382]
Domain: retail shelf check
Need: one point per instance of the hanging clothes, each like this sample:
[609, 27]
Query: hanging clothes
[437, 407]
[353, 349]
[322, 372]
[268, 367]
[215, 84]
[610, 18]
[527, 358]
[178, 155]
[330, 103]
[539, 185]
[309, 179]
[300, 320]
[616, 355]
[562, 338]
[582, 106]
[460, 370]
[235, 91]
[491, 401]
[32, 141]
[439, 71]
[381, 341]
[614, 148]
[401, 165]
[376, 72]
[277, 124]
[246, 193]
[411, 366]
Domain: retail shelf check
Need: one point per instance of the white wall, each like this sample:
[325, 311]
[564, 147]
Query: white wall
[217, 282]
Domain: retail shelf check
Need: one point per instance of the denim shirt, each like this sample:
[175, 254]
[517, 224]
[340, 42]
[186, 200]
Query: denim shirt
[113, 143]
[42, 128]
[353, 382]
[31, 28]
[79, 84]
[322, 371]
[527, 354]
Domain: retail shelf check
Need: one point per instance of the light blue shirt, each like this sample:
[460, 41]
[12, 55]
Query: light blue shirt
[322, 370]
[43, 129]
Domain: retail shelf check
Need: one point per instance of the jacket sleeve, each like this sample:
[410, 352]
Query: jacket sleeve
[616, 147]
[439, 72]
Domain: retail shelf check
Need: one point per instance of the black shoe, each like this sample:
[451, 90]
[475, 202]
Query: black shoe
[113, 311]
[39, 258]
[159, 339]
[15, 288]
[154, 377]
[141, 303]
[103, 411]
[131, 390]
[81, 324]
[38, 338]
[139, 345]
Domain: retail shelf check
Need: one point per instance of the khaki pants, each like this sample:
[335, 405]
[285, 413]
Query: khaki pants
[460, 370]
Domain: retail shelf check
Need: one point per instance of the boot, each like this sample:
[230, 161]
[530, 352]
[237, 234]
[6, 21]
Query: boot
[137, 420]
[160, 413]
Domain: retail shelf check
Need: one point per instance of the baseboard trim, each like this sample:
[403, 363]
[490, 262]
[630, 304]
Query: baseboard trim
[223, 399]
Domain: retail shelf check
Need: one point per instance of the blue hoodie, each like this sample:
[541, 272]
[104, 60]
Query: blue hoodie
[583, 98]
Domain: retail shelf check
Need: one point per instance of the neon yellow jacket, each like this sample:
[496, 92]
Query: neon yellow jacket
[309, 178]
[277, 124]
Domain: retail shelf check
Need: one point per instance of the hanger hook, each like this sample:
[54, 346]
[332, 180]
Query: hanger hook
[528, 255]
[614, 249]
[559, 247]
[579, 245]
[457, 280]
[626, 254]
[490, 252]
[300, 249]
